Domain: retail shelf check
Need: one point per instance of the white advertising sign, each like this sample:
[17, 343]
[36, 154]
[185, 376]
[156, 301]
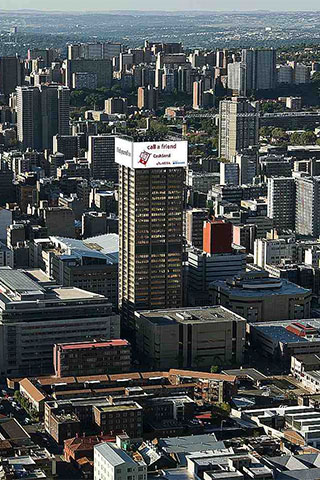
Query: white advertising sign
[151, 154]
[123, 152]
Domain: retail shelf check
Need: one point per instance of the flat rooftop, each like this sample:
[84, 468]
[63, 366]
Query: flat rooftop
[73, 293]
[278, 332]
[92, 345]
[260, 288]
[119, 408]
[38, 275]
[190, 315]
[17, 281]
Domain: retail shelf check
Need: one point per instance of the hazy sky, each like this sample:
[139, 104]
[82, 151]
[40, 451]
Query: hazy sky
[163, 5]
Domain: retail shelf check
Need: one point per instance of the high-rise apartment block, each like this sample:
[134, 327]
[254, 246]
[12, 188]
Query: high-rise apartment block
[151, 186]
[307, 221]
[194, 226]
[281, 202]
[101, 157]
[238, 126]
[237, 78]
[116, 105]
[42, 112]
[148, 98]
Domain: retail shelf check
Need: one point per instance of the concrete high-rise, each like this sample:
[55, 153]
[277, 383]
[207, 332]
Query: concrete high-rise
[281, 202]
[238, 126]
[260, 68]
[148, 98]
[42, 112]
[151, 192]
[308, 206]
[237, 78]
[101, 157]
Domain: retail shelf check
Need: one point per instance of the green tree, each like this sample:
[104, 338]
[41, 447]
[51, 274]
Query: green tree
[94, 100]
[308, 138]
[214, 369]
[295, 138]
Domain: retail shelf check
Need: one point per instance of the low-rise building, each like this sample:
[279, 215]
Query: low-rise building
[258, 297]
[92, 358]
[121, 417]
[190, 337]
[280, 340]
[113, 463]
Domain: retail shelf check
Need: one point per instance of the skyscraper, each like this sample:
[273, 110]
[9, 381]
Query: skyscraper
[281, 202]
[308, 206]
[101, 157]
[238, 126]
[260, 67]
[237, 78]
[151, 186]
[42, 112]
[11, 74]
[198, 89]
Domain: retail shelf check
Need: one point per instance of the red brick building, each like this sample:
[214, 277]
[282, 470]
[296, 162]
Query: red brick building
[92, 358]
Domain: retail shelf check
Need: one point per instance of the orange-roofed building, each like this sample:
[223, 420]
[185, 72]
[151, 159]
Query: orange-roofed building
[81, 446]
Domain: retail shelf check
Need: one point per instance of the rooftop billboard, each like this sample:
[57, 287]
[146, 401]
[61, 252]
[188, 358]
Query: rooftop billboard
[151, 154]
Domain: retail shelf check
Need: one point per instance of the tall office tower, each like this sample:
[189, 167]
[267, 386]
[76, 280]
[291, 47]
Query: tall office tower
[116, 105]
[237, 78]
[229, 173]
[28, 117]
[194, 226]
[281, 202]
[217, 236]
[222, 58]
[55, 105]
[151, 193]
[101, 157]
[308, 206]
[198, 89]
[11, 74]
[148, 98]
[260, 66]
[238, 126]
[42, 112]
[247, 167]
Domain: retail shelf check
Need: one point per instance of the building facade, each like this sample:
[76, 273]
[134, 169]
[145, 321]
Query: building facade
[238, 126]
[27, 334]
[190, 337]
[150, 226]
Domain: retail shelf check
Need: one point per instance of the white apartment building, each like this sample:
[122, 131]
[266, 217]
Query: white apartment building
[112, 463]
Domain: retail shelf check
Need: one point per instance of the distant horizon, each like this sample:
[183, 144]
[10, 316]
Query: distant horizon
[150, 10]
